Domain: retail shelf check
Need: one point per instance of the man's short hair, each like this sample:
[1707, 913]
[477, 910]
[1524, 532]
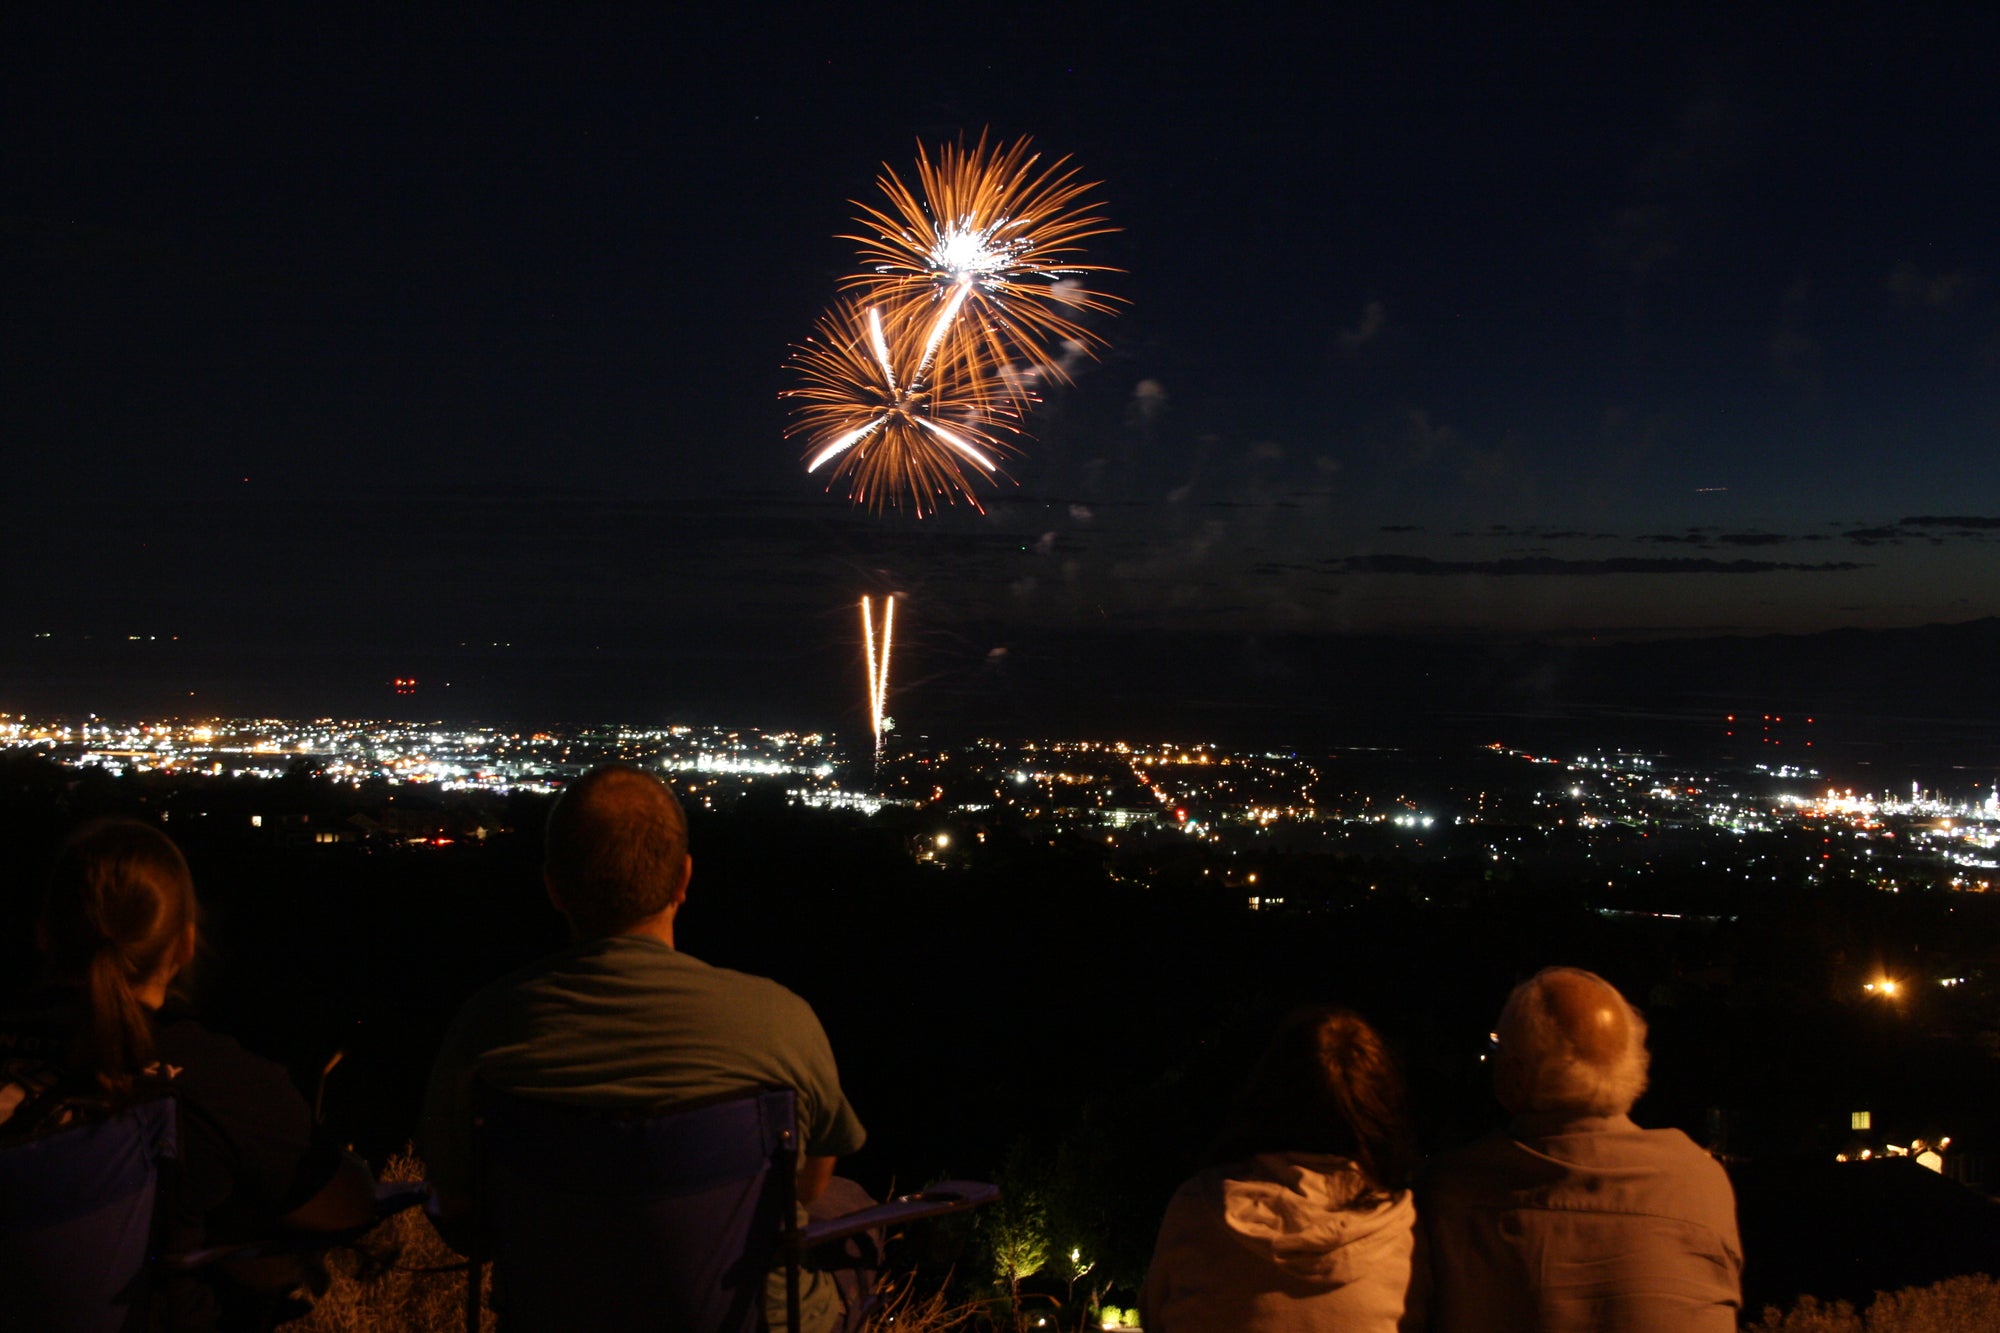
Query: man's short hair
[616, 851]
[1570, 1042]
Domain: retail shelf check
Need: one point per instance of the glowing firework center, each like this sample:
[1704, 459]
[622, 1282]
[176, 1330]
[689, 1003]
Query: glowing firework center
[970, 295]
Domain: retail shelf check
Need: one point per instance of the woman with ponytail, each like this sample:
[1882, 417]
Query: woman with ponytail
[118, 927]
[1302, 1222]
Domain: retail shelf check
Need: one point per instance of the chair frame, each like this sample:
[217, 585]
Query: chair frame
[793, 1242]
[390, 1198]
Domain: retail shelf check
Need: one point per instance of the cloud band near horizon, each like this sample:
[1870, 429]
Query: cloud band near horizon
[1550, 565]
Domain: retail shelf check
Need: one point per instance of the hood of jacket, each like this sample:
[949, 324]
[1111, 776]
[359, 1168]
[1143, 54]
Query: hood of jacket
[1303, 1213]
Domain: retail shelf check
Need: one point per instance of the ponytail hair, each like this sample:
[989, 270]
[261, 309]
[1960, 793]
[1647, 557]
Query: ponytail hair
[119, 902]
[1327, 1083]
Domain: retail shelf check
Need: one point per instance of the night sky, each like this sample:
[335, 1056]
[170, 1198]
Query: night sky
[341, 349]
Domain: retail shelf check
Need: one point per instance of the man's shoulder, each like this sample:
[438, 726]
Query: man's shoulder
[1699, 1179]
[749, 983]
[1512, 1152]
[1667, 1151]
[500, 993]
[648, 958]
[608, 960]
[1674, 1145]
[635, 956]
[1606, 1168]
[623, 974]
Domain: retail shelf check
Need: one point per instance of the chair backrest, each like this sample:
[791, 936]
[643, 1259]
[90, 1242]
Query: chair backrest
[602, 1220]
[76, 1218]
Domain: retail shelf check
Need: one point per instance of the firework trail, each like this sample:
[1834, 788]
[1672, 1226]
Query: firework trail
[970, 297]
[878, 669]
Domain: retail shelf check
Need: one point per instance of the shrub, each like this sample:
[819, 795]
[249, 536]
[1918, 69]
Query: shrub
[1810, 1315]
[1968, 1302]
[907, 1312]
[1952, 1306]
[382, 1284]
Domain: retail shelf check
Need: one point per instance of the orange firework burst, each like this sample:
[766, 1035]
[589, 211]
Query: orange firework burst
[971, 296]
[994, 236]
[877, 406]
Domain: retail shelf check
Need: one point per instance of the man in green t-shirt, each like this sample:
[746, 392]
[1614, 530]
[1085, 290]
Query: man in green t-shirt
[622, 1019]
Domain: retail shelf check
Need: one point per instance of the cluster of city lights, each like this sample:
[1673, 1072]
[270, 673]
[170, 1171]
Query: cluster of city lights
[453, 758]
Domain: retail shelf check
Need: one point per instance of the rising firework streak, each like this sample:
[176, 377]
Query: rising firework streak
[878, 671]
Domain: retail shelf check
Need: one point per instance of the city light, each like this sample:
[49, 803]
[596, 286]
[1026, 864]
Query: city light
[1635, 823]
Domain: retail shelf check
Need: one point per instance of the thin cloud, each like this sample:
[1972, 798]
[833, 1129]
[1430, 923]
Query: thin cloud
[1926, 528]
[1539, 533]
[1964, 522]
[1683, 188]
[1711, 537]
[1423, 440]
[1551, 566]
[1149, 403]
[1373, 316]
[1914, 289]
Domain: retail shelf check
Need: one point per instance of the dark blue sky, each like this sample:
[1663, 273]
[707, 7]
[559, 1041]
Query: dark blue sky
[324, 333]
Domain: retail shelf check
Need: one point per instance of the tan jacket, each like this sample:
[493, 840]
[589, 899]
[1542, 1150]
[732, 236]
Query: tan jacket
[1275, 1245]
[1560, 1224]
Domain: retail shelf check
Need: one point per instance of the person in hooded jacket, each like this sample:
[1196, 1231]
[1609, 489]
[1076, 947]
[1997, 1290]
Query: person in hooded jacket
[1303, 1220]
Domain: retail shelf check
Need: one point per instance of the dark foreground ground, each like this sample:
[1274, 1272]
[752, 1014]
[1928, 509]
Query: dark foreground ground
[1028, 1018]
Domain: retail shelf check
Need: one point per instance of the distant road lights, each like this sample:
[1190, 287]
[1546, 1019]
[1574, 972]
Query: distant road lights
[1883, 987]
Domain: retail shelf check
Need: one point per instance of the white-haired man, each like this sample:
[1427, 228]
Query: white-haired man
[1573, 1217]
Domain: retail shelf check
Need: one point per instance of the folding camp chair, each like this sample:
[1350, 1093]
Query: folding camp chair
[608, 1221]
[79, 1244]
[76, 1220]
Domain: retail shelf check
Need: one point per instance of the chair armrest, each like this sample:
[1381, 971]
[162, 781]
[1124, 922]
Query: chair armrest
[391, 1197]
[947, 1196]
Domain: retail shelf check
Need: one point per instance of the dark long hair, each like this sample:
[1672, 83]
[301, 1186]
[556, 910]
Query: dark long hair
[1327, 1083]
[119, 900]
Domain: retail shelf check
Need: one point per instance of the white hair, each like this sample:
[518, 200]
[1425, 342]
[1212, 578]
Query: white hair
[1570, 1042]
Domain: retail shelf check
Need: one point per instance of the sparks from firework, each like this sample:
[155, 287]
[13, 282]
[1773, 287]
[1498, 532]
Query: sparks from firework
[878, 671]
[991, 233]
[968, 305]
[898, 425]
